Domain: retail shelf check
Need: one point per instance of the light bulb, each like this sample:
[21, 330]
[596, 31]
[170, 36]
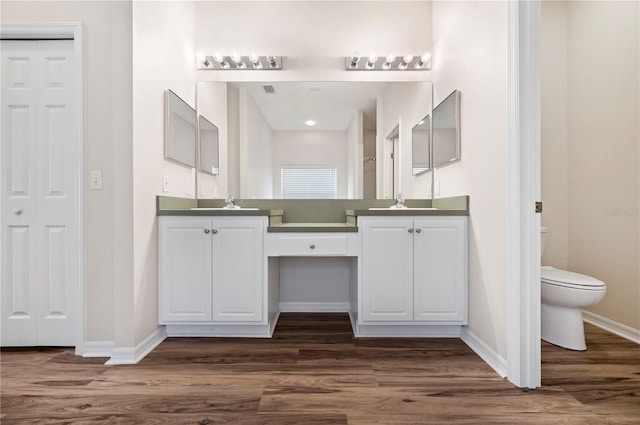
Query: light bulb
[355, 58]
[407, 59]
[425, 58]
[310, 123]
[391, 57]
[218, 57]
[236, 58]
[372, 61]
[254, 58]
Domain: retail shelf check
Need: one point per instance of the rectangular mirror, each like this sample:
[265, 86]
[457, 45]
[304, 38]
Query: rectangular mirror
[420, 146]
[179, 130]
[446, 130]
[209, 158]
[270, 126]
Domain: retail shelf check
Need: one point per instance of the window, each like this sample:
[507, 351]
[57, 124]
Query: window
[309, 183]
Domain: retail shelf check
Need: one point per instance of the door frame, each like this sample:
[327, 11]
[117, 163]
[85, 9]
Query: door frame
[523, 190]
[71, 31]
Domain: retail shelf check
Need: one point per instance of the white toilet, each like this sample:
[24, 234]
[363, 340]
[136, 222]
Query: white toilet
[564, 294]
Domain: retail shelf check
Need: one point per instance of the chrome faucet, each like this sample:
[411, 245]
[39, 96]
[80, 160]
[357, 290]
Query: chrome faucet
[230, 202]
[399, 201]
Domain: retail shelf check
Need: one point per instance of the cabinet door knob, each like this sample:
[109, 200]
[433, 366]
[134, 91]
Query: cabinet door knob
[17, 211]
[410, 230]
[207, 231]
[214, 231]
[312, 246]
[418, 230]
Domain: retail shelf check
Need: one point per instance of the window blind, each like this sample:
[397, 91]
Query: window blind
[309, 183]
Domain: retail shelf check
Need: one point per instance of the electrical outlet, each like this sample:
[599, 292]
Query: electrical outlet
[188, 187]
[96, 180]
[437, 188]
[201, 189]
[165, 183]
[429, 189]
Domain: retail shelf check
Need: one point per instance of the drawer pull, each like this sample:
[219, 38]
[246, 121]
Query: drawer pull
[312, 246]
[214, 231]
[207, 231]
[410, 230]
[418, 230]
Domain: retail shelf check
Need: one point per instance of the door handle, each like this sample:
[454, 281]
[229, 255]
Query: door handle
[17, 211]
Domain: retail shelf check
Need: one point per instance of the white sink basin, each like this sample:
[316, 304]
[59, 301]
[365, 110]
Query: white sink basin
[402, 209]
[225, 209]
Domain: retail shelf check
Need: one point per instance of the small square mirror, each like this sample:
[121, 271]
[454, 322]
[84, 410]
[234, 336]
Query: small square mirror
[420, 136]
[180, 130]
[209, 159]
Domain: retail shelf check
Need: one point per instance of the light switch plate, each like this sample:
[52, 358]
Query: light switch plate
[96, 180]
[165, 183]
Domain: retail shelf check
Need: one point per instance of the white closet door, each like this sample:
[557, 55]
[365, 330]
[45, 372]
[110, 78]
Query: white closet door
[38, 194]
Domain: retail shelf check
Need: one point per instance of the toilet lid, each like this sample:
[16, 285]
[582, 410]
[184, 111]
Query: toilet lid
[562, 277]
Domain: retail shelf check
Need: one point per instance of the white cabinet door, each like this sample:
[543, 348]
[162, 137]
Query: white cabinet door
[440, 258]
[185, 269]
[237, 270]
[387, 270]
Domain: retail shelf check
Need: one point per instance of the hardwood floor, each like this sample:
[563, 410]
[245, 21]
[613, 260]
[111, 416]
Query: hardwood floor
[313, 372]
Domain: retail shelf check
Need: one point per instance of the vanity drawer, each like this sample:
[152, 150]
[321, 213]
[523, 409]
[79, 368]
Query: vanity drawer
[312, 245]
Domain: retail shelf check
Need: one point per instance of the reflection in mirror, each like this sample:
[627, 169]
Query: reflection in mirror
[179, 130]
[446, 130]
[420, 136]
[209, 159]
[268, 127]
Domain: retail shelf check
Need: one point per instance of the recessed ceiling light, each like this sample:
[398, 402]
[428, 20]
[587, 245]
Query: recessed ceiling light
[310, 123]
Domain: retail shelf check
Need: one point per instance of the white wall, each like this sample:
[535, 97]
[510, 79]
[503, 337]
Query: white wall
[554, 137]
[369, 167]
[470, 54]
[314, 280]
[313, 28]
[256, 150]
[598, 107]
[355, 149]
[108, 250]
[233, 140]
[163, 52]
[212, 104]
[315, 148]
[404, 105]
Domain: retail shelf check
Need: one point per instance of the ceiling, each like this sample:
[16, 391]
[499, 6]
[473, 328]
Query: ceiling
[330, 104]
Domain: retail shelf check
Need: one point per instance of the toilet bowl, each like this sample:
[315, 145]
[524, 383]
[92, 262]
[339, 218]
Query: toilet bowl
[563, 296]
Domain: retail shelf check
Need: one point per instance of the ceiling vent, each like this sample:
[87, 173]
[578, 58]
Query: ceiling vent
[268, 89]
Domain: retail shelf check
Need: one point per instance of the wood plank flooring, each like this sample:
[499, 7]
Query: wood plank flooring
[314, 372]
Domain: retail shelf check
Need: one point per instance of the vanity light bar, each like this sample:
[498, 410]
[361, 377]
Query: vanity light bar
[390, 62]
[236, 62]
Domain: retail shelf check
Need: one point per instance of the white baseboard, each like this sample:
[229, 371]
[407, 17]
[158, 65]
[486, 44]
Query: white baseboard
[227, 330]
[624, 331]
[485, 352]
[302, 307]
[132, 355]
[97, 349]
[406, 331]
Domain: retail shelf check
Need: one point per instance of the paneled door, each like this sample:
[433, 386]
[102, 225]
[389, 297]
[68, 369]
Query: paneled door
[38, 192]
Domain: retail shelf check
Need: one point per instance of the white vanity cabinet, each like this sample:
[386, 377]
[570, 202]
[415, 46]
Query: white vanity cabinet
[211, 269]
[414, 269]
